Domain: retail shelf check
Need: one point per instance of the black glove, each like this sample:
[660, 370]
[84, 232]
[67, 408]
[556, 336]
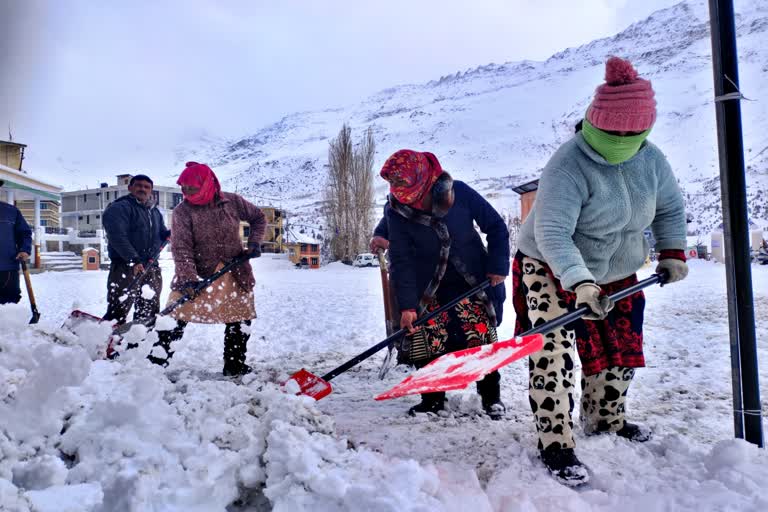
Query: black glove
[254, 250]
[189, 288]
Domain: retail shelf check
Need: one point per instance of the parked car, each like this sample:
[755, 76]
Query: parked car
[366, 259]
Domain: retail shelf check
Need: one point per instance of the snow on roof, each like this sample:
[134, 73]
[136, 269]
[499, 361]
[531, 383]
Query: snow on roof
[299, 238]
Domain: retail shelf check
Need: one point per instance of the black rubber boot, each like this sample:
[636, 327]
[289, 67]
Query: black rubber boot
[635, 433]
[235, 348]
[490, 393]
[564, 466]
[162, 355]
[430, 402]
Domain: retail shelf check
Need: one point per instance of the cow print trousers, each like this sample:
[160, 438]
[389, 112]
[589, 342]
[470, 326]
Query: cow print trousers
[552, 373]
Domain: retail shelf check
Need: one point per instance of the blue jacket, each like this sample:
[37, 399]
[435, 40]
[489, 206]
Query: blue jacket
[588, 220]
[134, 231]
[15, 237]
[414, 248]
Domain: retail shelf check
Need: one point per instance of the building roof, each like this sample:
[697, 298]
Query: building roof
[299, 238]
[527, 187]
[27, 186]
[10, 143]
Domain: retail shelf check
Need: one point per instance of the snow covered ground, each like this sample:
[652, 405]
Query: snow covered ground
[84, 435]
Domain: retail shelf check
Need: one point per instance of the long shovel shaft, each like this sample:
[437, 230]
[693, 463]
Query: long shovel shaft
[30, 293]
[202, 285]
[150, 263]
[578, 313]
[368, 353]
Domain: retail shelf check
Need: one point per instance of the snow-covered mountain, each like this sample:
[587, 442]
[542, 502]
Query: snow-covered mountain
[495, 126]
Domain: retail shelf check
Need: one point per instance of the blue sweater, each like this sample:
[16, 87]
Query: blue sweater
[414, 248]
[588, 219]
[15, 237]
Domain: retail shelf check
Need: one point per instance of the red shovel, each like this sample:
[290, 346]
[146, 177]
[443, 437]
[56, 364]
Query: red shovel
[459, 369]
[317, 387]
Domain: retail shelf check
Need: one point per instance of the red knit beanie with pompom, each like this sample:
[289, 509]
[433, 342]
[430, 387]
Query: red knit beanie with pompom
[625, 102]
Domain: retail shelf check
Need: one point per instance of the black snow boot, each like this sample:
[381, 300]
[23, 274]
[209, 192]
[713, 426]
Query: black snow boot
[564, 466]
[430, 402]
[161, 352]
[635, 433]
[235, 347]
[630, 431]
[490, 393]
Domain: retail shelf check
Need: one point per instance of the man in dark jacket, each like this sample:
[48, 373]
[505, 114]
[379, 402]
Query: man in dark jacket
[15, 246]
[135, 231]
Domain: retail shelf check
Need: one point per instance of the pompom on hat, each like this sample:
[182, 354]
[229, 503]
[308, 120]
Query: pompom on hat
[625, 102]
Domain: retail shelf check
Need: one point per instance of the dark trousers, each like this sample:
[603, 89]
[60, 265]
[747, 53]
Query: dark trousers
[235, 344]
[120, 300]
[10, 293]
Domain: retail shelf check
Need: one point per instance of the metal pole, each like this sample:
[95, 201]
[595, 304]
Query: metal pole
[741, 314]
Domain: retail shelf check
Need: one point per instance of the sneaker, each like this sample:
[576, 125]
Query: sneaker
[635, 433]
[430, 402]
[564, 466]
[236, 370]
[496, 410]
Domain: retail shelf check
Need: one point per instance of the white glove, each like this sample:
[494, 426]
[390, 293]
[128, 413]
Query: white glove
[675, 270]
[588, 294]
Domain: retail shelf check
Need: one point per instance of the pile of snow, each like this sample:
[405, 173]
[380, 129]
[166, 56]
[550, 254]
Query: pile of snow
[80, 434]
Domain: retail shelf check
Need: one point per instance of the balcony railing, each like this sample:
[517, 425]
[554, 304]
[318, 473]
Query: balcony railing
[86, 233]
[50, 230]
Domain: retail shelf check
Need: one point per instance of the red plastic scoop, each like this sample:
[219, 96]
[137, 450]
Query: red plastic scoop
[457, 370]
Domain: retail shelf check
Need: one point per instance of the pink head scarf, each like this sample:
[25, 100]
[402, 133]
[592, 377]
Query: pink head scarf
[201, 176]
[411, 175]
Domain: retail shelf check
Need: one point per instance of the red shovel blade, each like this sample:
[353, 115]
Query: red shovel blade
[458, 370]
[311, 385]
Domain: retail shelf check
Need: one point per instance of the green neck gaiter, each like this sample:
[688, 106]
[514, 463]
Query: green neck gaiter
[614, 148]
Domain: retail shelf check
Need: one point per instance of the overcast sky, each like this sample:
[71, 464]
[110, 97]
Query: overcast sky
[115, 85]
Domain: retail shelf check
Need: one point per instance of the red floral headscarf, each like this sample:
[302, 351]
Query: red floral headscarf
[201, 176]
[411, 175]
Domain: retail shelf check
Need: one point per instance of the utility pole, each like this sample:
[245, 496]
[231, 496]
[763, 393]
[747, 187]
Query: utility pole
[738, 261]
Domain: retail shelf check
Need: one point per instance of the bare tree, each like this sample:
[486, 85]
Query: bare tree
[349, 194]
[513, 226]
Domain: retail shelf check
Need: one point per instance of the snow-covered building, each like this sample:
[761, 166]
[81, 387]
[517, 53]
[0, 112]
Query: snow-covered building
[82, 209]
[303, 250]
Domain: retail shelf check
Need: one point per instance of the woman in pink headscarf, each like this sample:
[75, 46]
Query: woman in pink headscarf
[205, 235]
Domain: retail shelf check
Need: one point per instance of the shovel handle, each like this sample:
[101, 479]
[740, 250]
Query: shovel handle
[205, 283]
[30, 293]
[28, 283]
[384, 343]
[200, 286]
[578, 313]
[150, 263]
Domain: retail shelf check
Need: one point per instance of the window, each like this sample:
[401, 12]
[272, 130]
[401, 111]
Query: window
[314, 261]
[85, 198]
[98, 216]
[303, 247]
[91, 259]
[80, 217]
[43, 222]
[246, 231]
[177, 199]
[87, 219]
[43, 206]
[277, 233]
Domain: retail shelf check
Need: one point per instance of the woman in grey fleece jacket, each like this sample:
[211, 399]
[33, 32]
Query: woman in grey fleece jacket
[584, 240]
